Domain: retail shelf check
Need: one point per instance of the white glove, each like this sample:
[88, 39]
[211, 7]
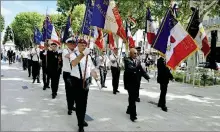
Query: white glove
[45, 53]
[86, 51]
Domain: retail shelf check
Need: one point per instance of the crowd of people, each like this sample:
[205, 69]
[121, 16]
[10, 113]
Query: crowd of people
[78, 64]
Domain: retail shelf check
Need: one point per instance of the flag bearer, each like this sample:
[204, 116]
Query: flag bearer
[78, 61]
[36, 64]
[67, 67]
[24, 59]
[29, 62]
[44, 58]
[54, 67]
[115, 69]
[163, 78]
[103, 67]
[131, 81]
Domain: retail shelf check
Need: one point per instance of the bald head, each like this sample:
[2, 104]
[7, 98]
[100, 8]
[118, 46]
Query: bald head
[133, 53]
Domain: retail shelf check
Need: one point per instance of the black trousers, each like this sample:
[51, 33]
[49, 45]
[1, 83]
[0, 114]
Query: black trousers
[69, 90]
[115, 78]
[103, 74]
[35, 69]
[24, 62]
[55, 77]
[10, 60]
[46, 78]
[163, 92]
[81, 96]
[29, 65]
[132, 96]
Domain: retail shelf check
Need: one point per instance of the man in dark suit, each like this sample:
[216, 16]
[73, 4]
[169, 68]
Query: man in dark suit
[163, 78]
[10, 54]
[43, 57]
[54, 67]
[131, 81]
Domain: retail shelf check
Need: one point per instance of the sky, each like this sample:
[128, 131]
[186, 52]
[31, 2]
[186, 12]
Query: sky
[9, 9]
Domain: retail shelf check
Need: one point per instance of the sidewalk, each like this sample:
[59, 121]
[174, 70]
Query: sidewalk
[32, 109]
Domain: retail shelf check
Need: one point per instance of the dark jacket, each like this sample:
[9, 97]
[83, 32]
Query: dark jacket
[43, 58]
[133, 73]
[10, 53]
[164, 74]
[54, 62]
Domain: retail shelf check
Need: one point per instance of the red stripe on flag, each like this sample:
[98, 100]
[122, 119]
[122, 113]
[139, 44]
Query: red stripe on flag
[131, 42]
[185, 48]
[111, 41]
[205, 46]
[150, 37]
[99, 41]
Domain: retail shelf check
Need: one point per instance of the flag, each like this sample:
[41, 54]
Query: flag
[111, 41]
[87, 19]
[129, 37]
[205, 47]
[99, 40]
[106, 16]
[173, 41]
[67, 31]
[132, 20]
[150, 27]
[49, 31]
[196, 30]
[37, 36]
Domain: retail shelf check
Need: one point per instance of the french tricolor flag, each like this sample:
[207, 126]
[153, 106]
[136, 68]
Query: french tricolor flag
[129, 37]
[106, 16]
[173, 41]
[150, 28]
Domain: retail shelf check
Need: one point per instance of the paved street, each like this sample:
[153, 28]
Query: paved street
[32, 109]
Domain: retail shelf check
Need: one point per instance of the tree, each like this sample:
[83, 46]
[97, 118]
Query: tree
[2, 23]
[77, 17]
[8, 35]
[23, 27]
[65, 5]
[58, 21]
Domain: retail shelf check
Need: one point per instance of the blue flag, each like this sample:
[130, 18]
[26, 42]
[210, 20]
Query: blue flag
[37, 36]
[87, 19]
[66, 33]
[161, 40]
[47, 29]
[99, 13]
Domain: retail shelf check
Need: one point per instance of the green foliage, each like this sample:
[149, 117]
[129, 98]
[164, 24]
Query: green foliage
[8, 35]
[77, 17]
[65, 5]
[59, 21]
[2, 23]
[23, 27]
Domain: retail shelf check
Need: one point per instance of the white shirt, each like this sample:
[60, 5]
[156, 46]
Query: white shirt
[75, 70]
[66, 61]
[103, 62]
[24, 54]
[36, 54]
[115, 58]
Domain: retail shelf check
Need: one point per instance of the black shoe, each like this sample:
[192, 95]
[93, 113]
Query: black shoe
[85, 124]
[69, 112]
[104, 87]
[34, 81]
[44, 88]
[81, 129]
[29, 76]
[114, 92]
[158, 105]
[53, 96]
[118, 91]
[164, 109]
[74, 109]
[47, 86]
[138, 100]
[133, 118]
[127, 112]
